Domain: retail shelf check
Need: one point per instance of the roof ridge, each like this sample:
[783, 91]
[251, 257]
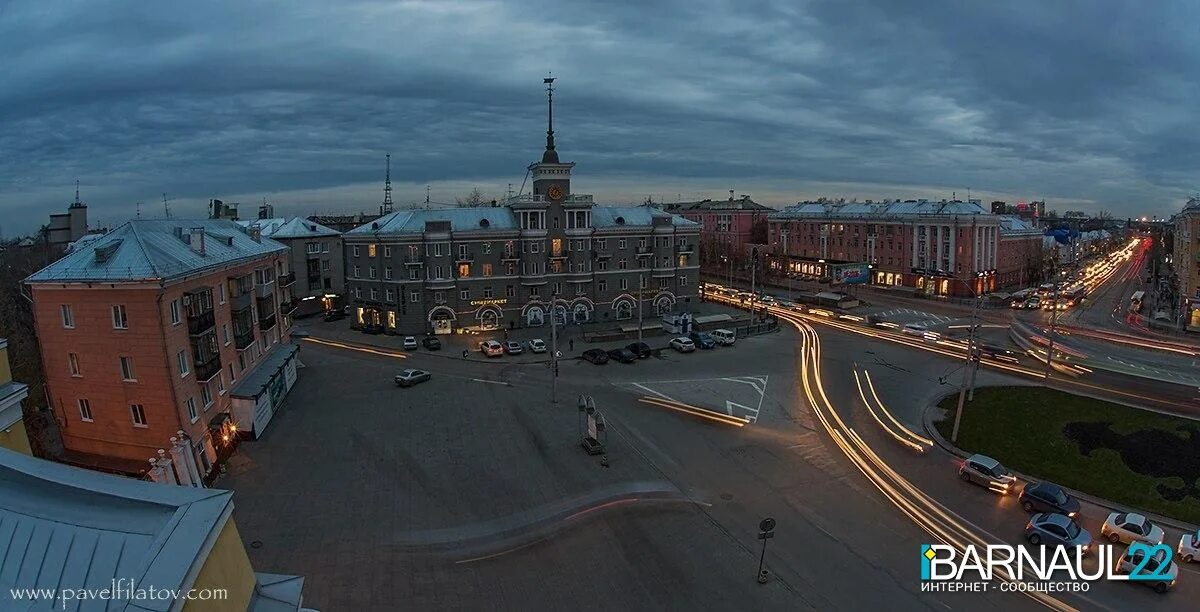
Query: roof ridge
[142, 245]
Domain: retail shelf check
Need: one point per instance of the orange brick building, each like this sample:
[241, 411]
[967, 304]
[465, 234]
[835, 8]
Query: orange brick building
[148, 333]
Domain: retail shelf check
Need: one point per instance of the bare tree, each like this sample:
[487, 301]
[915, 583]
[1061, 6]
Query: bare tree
[475, 198]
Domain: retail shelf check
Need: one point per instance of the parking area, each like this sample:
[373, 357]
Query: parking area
[472, 490]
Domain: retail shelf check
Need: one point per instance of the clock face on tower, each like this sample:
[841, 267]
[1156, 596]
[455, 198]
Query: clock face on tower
[554, 193]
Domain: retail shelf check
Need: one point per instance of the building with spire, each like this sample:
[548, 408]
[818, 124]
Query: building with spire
[516, 263]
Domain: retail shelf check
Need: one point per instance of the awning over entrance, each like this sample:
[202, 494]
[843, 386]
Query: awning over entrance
[256, 383]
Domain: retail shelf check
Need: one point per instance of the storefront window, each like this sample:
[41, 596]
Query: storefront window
[391, 318]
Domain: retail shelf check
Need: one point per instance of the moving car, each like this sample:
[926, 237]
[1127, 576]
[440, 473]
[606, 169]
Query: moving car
[410, 343]
[432, 343]
[986, 472]
[703, 340]
[683, 345]
[596, 356]
[1189, 546]
[1055, 529]
[768, 300]
[491, 348]
[410, 377]
[724, 337]
[914, 329]
[1128, 527]
[334, 315]
[1157, 564]
[623, 355]
[1033, 303]
[1048, 497]
[641, 349]
[537, 345]
[512, 347]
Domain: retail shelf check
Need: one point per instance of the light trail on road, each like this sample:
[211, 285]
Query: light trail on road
[925, 512]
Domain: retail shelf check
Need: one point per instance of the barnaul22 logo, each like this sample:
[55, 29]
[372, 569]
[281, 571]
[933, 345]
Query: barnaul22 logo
[1140, 562]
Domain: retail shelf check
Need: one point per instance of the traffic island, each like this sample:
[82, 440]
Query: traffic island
[1128, 456]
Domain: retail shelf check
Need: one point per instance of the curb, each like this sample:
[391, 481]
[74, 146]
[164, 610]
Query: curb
[946, 445]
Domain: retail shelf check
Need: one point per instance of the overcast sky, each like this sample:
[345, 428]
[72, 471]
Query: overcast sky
[1091, 105]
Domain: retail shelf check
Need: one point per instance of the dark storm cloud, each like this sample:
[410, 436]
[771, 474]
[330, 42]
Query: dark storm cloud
[1088, 104]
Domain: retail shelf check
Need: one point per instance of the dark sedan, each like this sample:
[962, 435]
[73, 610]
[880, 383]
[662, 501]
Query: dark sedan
[641, 349]
[623, 355]
[432, 343]
[1057, 530]
[702, 340]
[1048, 497]
[334, 315]
[596, 356]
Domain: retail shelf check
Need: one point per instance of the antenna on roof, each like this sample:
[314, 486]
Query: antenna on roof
[510, 191]
[139, 210]
[387, 205]
[427, 196]
[77, 202]
[166, 206]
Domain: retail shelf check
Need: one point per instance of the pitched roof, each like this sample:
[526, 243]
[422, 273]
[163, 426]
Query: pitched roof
[295, 227]
[156, 249]
[66, 527]
[1016, 226]
[742, 203]
[613, 216]
[502, 218]
[880, 209]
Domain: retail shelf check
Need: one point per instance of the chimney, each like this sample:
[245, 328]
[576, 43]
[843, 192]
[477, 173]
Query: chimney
[256, 233]
[196, 239]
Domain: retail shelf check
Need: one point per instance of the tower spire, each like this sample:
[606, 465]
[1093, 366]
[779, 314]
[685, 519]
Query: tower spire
[76, 203]
[387, 205]
[550, 156]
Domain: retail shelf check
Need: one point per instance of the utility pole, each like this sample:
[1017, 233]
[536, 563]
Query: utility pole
[753, 269]
[553, 355]
[1054, 312]
[641, 294]
[968, 366]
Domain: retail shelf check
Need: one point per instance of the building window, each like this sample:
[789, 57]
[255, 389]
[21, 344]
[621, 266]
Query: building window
[437, 272]
[487, 269]
[414, 296]
[221, 292]
[464, 270]
[174, 312]
[624, 284]
[119, 319]
[73, 364]
[354, 271]
[225, 333]
[221, 384]
[313, 247]
[487, 293]
[557, 288]
[682, 281]
[358, 292]
[510, 291]
[387, 251]
[462, 250]
[387, 273]
[85, 410]
[620, 243]
[206, 395]
[127, 369]
[371, 272]
[387, 295]
[374, 293]
[183, 363]
[193, 416]
[486, 247]
[355, 250]
[68, 318]
[464, 295]
[413, 273]
[601, 285]
[138, 413]
[621, 264]
[439, 298]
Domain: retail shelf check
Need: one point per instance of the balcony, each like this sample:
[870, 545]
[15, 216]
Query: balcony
[287, 308]
[205, 371]
[413, 260]
[264, 290]
[243, 339]
[267, 322]
[644, 250]
[439, 283]
[685, 249]
[240, 301]
[287, 280]
[663, 272]
[200, 323]
[506, 256]
[464, 258]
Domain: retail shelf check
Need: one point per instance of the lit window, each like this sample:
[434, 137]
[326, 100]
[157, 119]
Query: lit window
[370, 250]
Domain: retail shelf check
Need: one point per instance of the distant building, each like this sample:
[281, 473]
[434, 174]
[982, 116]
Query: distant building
[343, 223]
[1186, 257]
[222, 210]
[316, 255]
[165, 331]
[68, 528]
[1020, 260]
[727, 226]
[65, 228]
[12, 426]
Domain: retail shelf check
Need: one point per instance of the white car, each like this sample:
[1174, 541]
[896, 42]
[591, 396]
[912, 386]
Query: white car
[915, 329]
[1189, 546]
[1157, 572]
[491, 348]
[682, 344]
[1128, 527]
[410, 343]
[537, 345]
[408, 378]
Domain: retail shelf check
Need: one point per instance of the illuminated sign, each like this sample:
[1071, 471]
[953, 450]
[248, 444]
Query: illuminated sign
[851, 273]
[490, 302]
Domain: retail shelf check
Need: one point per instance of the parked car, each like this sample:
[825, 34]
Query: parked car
[491, 348]
[641, 349]
[703, 340]
[986, 472]
[1054, 529]
[512, 347]
[410, 377]
[682, 344]
[623, 355]
[596, 356]
[334, 315]
[1135, 563]
[537, 345]
[1189, 546]
[432, 343]
[372, 328]
[1048, 497]
[1127, 527]
[410, 343]
[724, 337]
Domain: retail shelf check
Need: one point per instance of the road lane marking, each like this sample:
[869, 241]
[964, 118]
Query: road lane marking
[493, 382]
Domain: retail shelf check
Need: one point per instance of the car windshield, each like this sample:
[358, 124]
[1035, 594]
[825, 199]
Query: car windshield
[1072, 530]
[1056, 495]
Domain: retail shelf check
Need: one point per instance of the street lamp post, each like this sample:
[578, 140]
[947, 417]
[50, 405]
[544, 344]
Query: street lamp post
[971, 363]
[641, 294]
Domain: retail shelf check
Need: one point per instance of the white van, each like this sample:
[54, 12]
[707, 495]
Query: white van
[723, 337]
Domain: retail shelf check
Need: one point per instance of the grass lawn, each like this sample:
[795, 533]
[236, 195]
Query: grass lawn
[1023, 428]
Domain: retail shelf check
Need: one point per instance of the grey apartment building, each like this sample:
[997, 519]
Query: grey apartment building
[315, 258]
[550, 253]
